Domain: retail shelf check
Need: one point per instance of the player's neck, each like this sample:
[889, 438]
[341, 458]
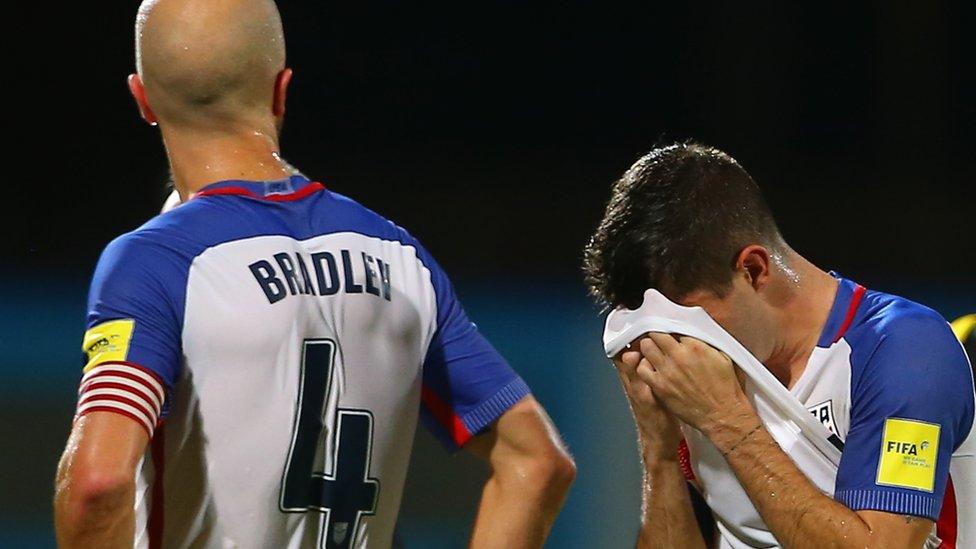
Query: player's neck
[802, 320]
[199, 159]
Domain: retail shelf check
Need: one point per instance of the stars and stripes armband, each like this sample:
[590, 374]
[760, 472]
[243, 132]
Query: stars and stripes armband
[123, 388]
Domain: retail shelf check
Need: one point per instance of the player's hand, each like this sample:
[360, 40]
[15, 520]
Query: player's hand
[694, 381]
[658, 429]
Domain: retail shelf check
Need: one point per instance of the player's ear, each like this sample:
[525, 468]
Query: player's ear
[281, 92]
[139, 94]
[755, 264]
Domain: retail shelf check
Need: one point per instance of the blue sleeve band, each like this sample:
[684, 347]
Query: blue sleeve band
[900, 503]
[490, 410]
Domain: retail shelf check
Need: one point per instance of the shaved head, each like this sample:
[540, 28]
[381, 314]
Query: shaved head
[209, 64]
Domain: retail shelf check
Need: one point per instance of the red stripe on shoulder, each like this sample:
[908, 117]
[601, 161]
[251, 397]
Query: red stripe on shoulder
[443, 413]
[856, 298]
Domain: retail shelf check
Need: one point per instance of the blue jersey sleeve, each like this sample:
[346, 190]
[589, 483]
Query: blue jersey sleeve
[467, 385]
[135, 309]
[911, 407]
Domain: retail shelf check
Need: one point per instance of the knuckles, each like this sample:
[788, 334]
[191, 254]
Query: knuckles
[647, 346]
[694, 346]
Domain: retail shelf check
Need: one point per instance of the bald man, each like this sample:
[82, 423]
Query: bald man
[257, 359]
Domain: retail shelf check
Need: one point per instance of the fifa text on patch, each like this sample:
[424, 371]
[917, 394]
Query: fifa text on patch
[909, 450]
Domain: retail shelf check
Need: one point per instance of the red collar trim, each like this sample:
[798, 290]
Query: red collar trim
[312, 187]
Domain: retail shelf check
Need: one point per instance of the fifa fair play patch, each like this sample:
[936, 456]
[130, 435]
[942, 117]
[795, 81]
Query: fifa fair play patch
[909, 450]
[107, 342]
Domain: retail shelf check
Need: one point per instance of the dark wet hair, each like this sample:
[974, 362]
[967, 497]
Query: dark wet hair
[676, 221]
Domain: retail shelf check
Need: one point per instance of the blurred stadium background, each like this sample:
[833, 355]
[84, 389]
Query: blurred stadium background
[493, 132]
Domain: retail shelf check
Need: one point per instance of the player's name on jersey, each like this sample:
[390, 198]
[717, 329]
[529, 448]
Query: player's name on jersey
[295, 273]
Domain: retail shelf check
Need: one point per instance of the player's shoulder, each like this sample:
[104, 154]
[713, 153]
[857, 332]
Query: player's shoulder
[175, 238]
[168, 243]
[164, 236]
[892, 319]
[210, 220]
[894, 337]
[343, 213]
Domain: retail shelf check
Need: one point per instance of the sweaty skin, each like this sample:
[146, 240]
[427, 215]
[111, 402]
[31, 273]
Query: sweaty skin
[210, 61]
[212, 76]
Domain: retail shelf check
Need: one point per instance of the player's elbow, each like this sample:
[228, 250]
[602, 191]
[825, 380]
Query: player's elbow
[84, 490]
[558, 472]
[528, 455]
[548, 470]
[97, 488]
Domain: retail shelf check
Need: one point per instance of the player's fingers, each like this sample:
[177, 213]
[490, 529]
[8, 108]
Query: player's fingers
[640, 391]
[631, 356]
[702, 349]
[650, 351]
[628, 380]
[623, 367]
[667, 343]
[646, 373]
[636, 391]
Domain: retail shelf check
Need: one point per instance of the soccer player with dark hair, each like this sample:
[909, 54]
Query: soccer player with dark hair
[884, 374]
[258, 358]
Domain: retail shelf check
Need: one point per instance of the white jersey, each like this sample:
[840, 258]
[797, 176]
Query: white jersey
[892, 384]
[278, 342]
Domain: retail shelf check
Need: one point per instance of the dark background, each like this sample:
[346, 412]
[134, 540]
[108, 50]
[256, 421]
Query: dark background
[493, 132]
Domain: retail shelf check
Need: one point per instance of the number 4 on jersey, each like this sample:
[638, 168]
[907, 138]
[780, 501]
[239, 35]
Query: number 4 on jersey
[346, 493]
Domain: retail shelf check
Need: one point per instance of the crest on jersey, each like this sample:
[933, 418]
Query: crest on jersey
[824, 412]
[339, 532]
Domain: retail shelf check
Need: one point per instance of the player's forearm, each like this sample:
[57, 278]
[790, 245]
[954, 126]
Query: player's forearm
[95, 486]
[667, 519]
[797, 513]
[519, 505]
